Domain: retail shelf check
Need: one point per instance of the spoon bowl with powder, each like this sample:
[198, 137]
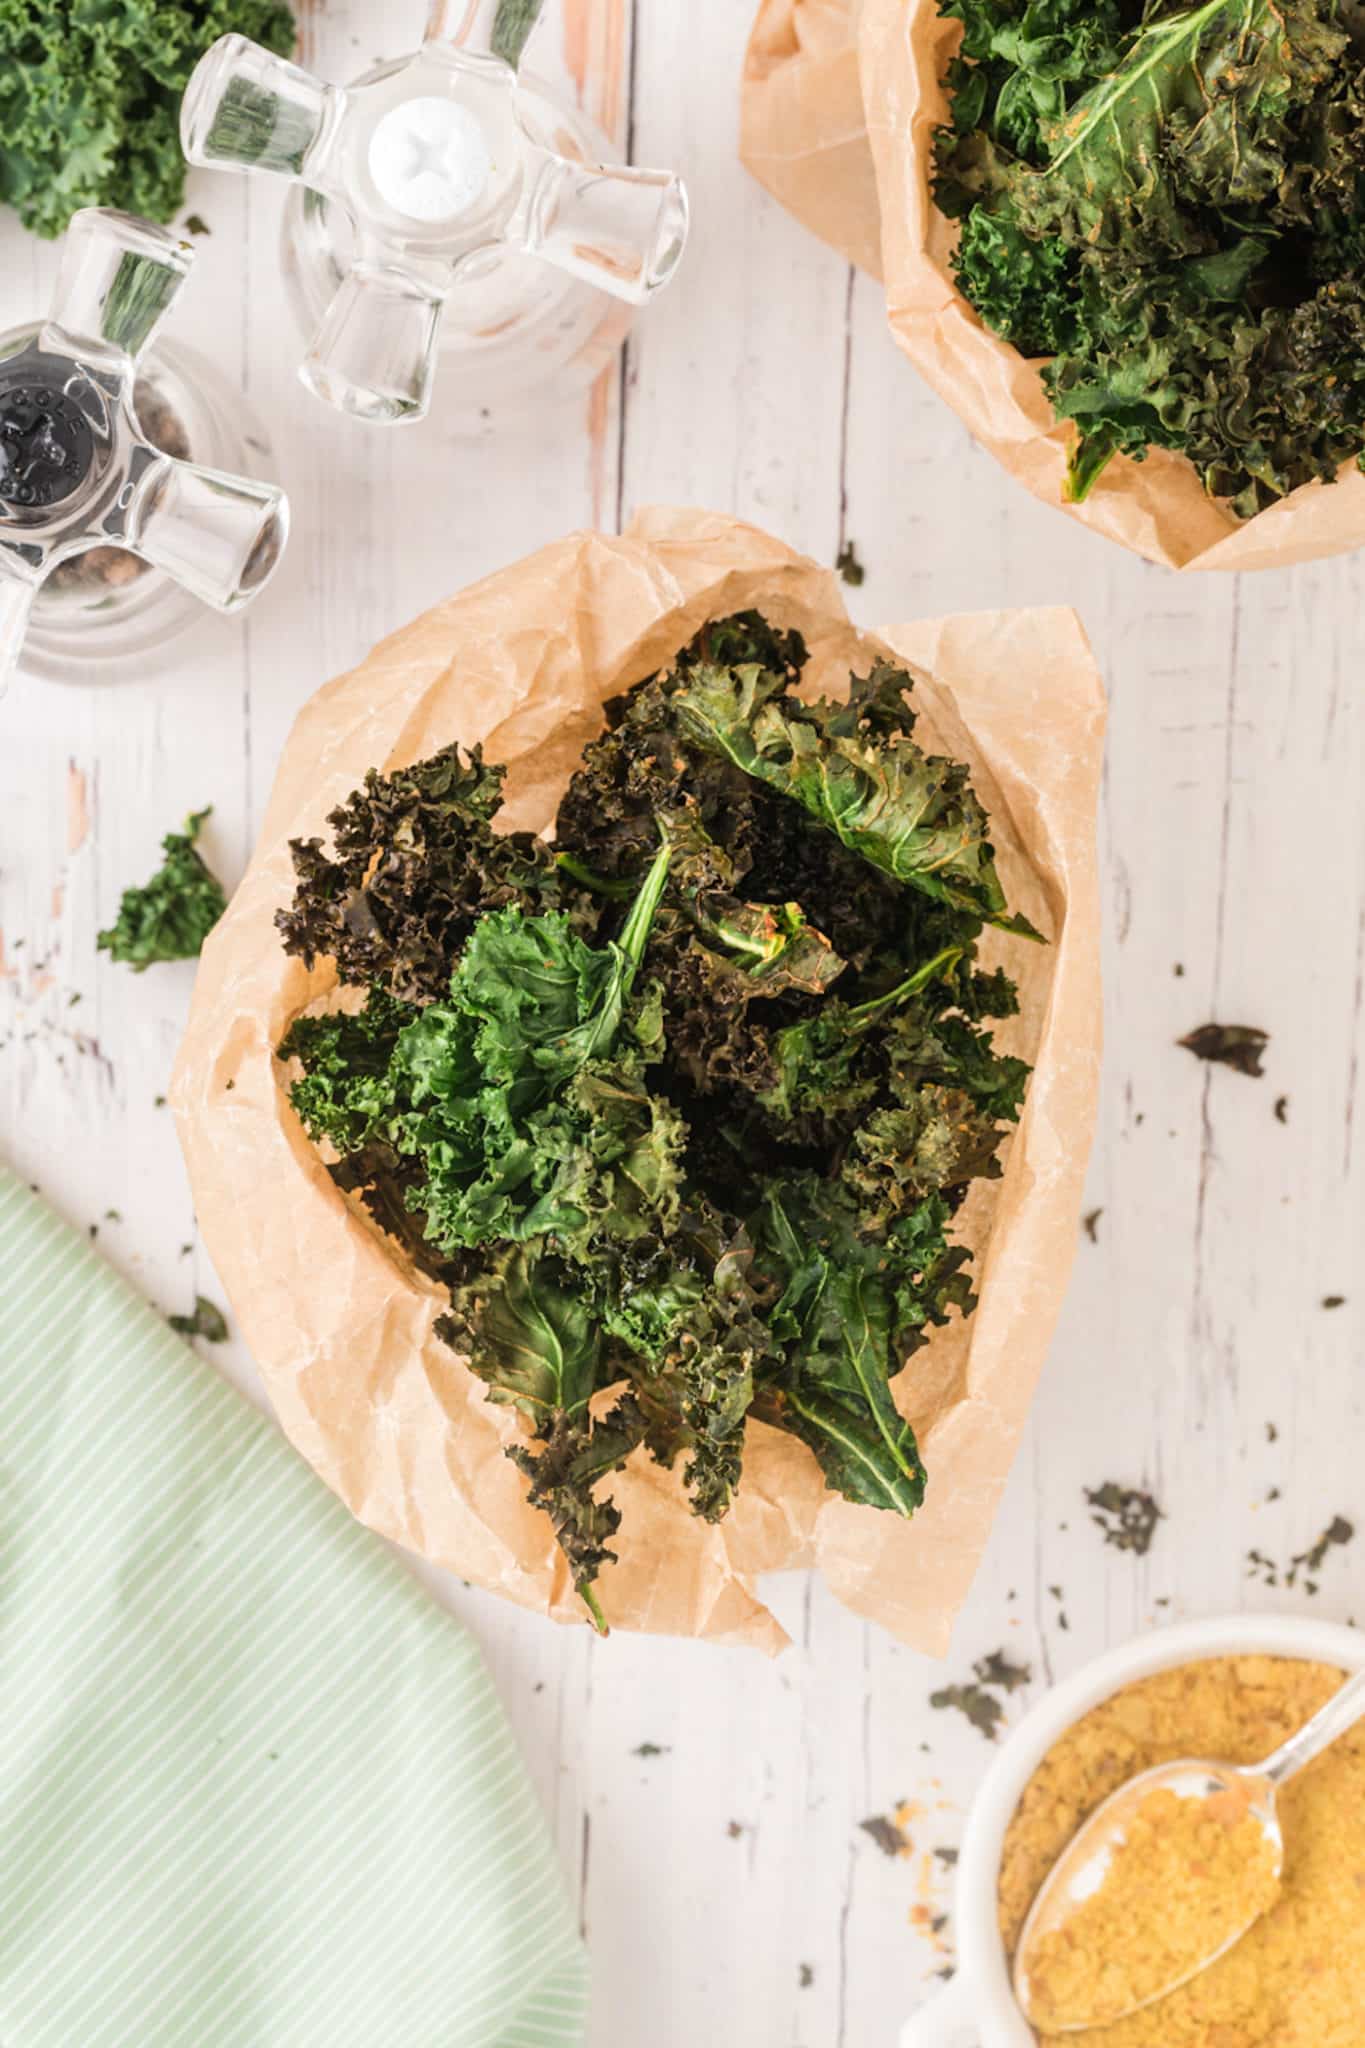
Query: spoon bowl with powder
[1162, 1880]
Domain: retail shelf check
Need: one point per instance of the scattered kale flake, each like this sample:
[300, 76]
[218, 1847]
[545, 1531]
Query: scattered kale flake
[1229, 1045]
[1338, 1533]
[805, 1976]
[680, 1107]
[1127, 1516]
[648, 1749]
[1334, 1301]
[207, 1322]
[981, 1708]
[1092, 1225]
[889, 1836]
[169, 917]
[1001, 1671]
[90, 95]
[1166, 203]
[849, 566]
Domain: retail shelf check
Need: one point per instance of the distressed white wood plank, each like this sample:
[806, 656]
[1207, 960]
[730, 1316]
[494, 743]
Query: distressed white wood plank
[1232, 845]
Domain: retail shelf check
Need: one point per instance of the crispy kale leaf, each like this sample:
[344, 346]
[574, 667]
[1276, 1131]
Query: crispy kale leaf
[681, 1112]
[1170, 205]
[855, 769]
[169, 917]
[90, 98]
[416, 863]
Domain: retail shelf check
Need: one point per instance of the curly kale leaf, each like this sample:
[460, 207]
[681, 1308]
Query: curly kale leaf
[1179, 225]
[910, 814]
[838, 1308]
[532, 1338]
[689, 1314]
[169, 917]
[415, 864]
[90, 99]
[345, 1092]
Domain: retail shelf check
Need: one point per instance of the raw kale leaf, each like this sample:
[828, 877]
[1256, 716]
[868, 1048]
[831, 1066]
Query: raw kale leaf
[169, 917]
[90, 96]
[1170, 205]
[679, 1113]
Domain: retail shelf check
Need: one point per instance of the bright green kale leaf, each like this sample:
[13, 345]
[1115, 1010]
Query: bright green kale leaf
[169, 917]
[90, 98]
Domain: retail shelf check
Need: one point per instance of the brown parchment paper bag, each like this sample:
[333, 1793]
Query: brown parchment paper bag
[341, 1328]
[840, 102]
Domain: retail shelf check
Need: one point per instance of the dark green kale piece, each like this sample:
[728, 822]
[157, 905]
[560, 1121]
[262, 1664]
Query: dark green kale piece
[415, 864]
[169, 917]
[207, 1321]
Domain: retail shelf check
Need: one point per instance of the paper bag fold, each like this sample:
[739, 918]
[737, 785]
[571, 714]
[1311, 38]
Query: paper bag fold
[339, 1324]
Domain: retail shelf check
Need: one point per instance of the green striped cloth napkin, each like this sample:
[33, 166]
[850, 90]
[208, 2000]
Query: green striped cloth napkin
[255, 1788]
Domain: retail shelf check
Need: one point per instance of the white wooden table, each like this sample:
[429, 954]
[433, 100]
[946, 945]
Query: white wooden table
[727, 1889]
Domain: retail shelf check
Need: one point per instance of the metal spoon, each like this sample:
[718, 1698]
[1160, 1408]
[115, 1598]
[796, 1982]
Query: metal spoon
[1247, 1790]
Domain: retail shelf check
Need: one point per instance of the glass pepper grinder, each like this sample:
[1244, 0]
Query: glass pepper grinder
[447, 212]
[119, 514]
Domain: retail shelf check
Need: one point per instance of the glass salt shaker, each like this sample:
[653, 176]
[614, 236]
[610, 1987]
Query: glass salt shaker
[448, 213]
[121, 512]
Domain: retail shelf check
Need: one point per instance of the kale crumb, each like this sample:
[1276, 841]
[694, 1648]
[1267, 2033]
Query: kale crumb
[197, 225]
[207, 1322]
[999, 1670]
[805, 1976]
[1334, 1301]
[1092, 1225]
[947, 1857]
[981, 1708]
[889, 1836]
[1272, 1434]
[1338, 1533]
[650, 1749]
[1282, 1109]
[849, 566]
[1229, 1045]
[1126, 1515]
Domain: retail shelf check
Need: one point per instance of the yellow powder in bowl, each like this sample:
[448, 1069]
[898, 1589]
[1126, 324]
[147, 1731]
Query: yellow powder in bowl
[1183, 1882]
[1297, 1979]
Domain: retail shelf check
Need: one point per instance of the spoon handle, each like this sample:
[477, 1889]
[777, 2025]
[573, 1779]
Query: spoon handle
[1340, 1715]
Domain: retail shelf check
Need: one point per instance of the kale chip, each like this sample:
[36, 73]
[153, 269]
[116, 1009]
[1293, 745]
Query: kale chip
[169, 917]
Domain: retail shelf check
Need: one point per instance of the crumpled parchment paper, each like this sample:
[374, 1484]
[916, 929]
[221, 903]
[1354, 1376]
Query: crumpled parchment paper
[341, 1328]
[840, 102]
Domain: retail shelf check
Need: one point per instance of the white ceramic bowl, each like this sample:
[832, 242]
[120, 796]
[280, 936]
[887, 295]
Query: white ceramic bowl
[977, 2010]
